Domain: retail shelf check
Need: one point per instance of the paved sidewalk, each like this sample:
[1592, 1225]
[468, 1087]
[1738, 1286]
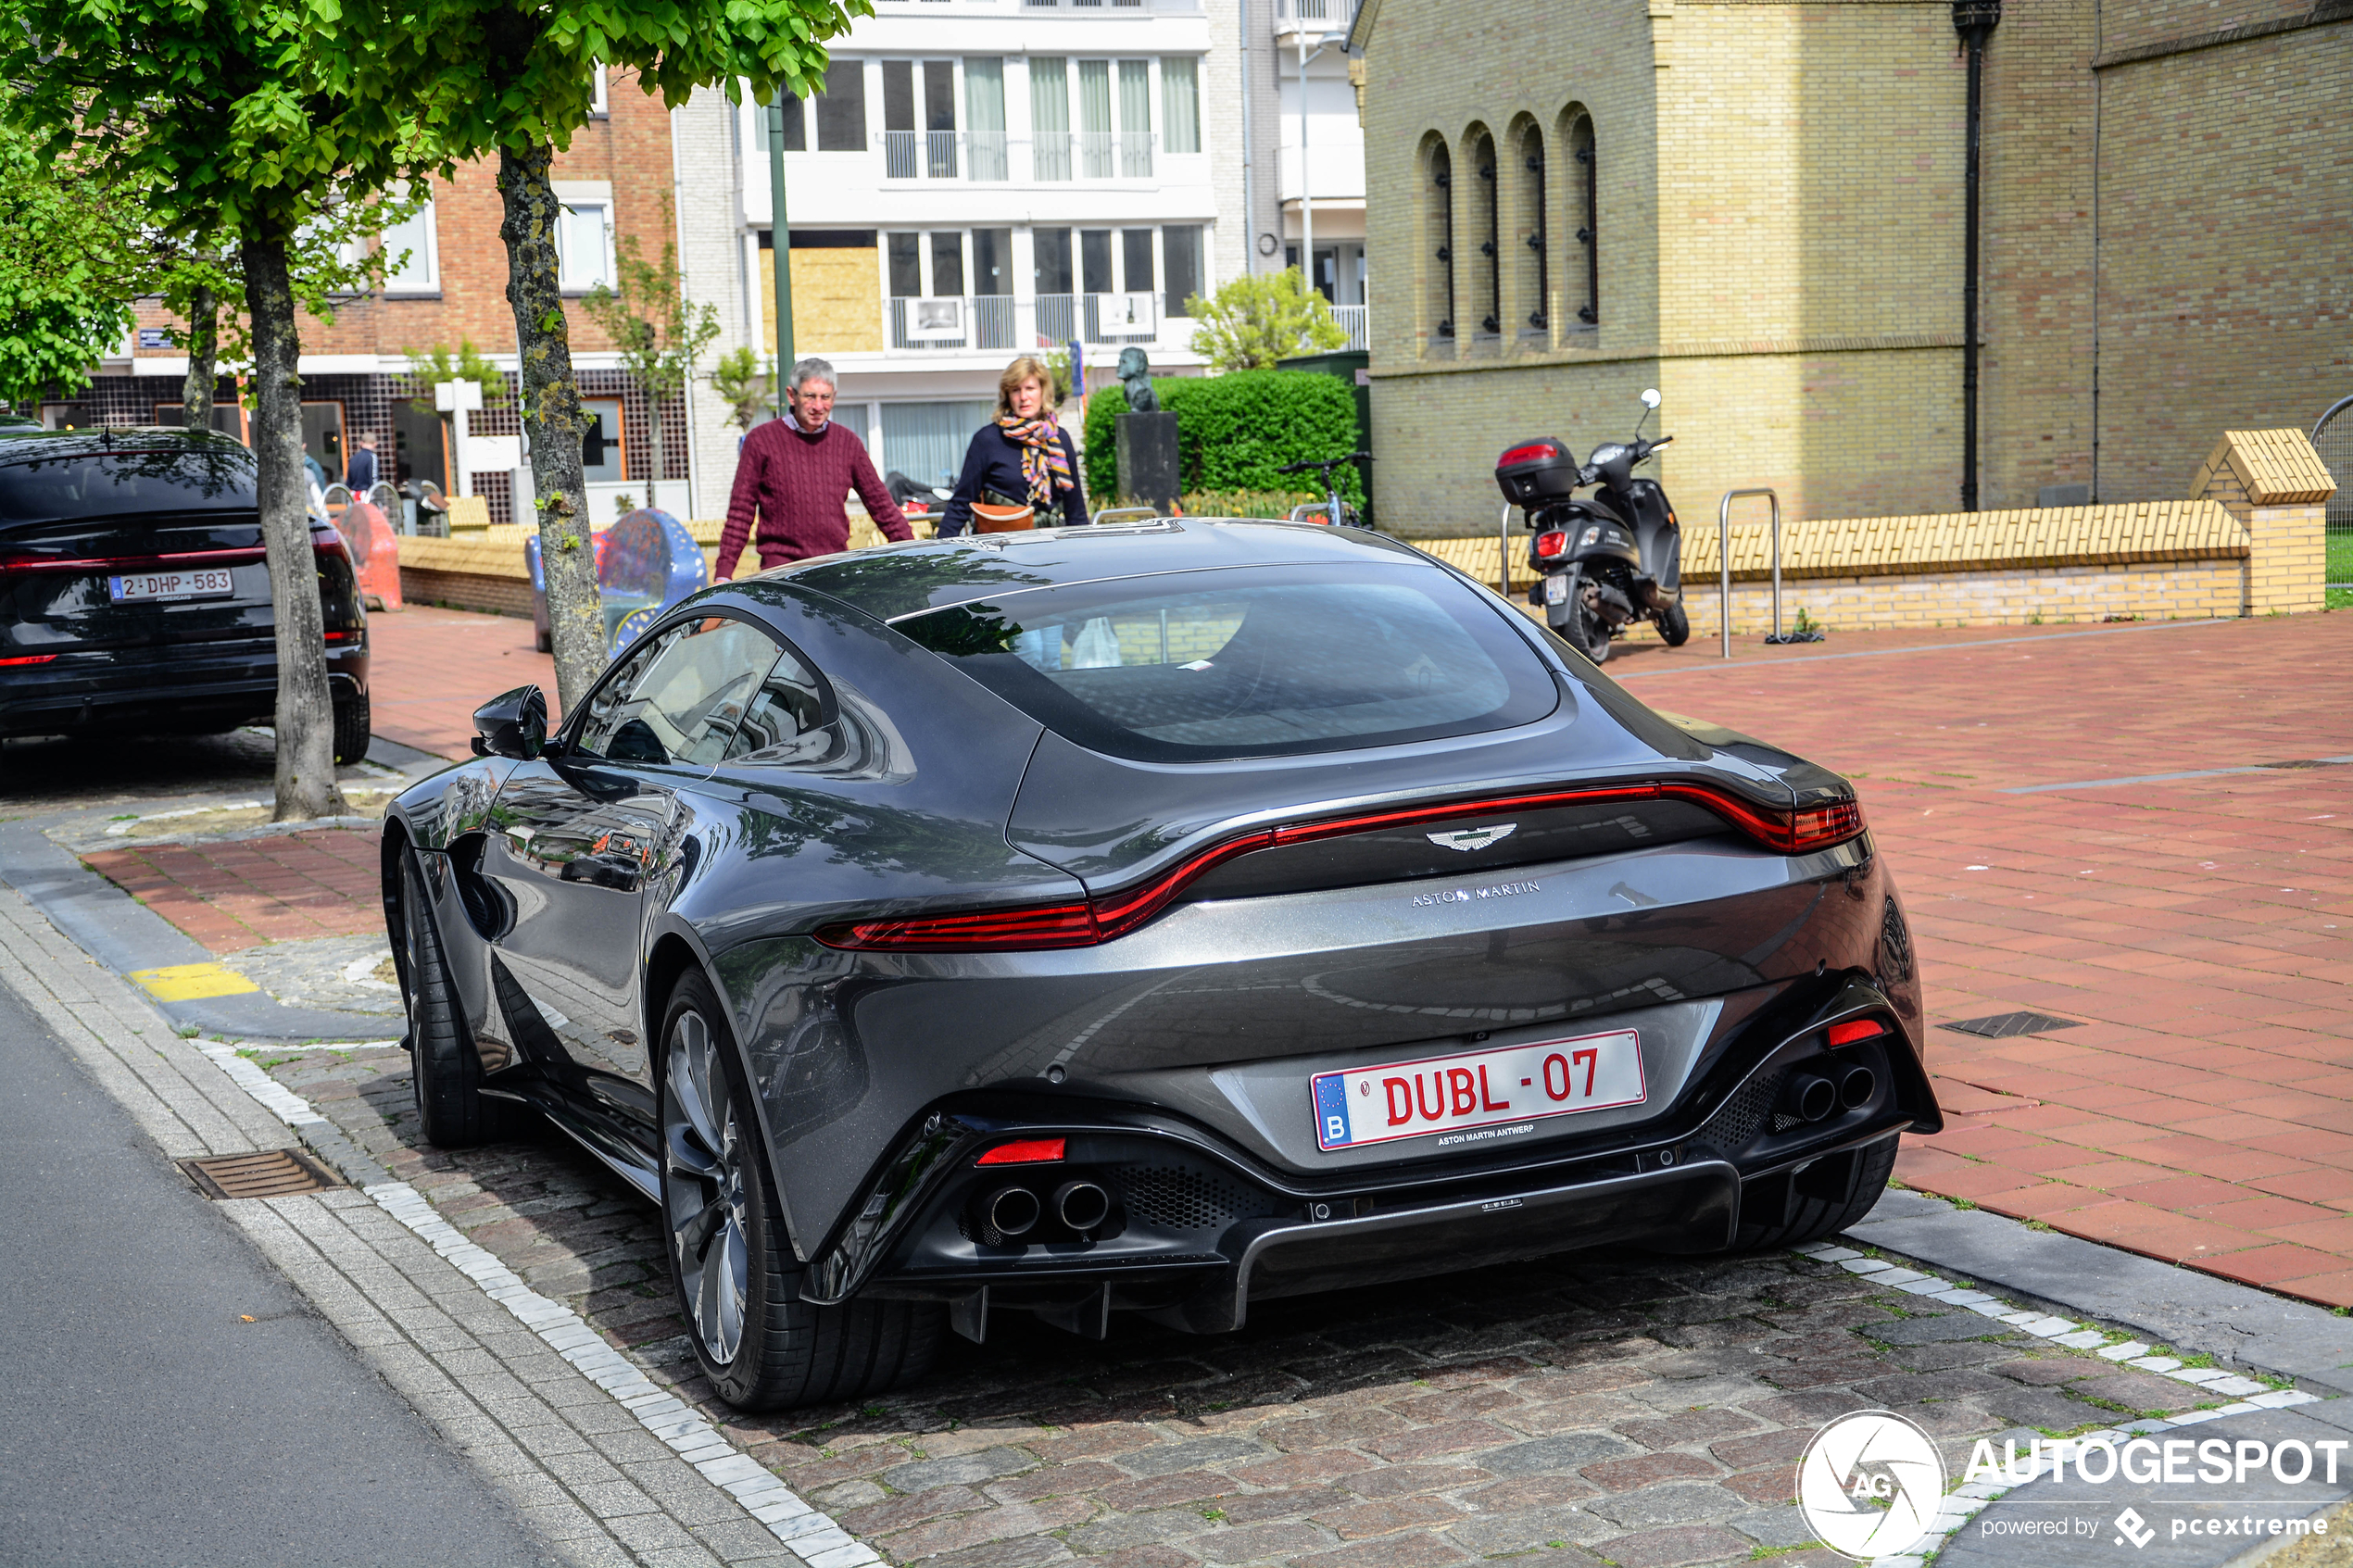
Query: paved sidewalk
[240, 893]
[2199, 931]
[429, 669]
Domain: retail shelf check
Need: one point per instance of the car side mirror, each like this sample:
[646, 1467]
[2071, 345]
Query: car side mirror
[512, 724]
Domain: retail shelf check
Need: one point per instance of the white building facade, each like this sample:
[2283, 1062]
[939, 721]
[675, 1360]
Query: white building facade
[978, 179]
[1307, 161]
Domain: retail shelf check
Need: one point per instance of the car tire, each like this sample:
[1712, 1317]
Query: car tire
[1811, 1219]
[731, 1264]
[1674, 625]
[444, 1070]
[353, 729]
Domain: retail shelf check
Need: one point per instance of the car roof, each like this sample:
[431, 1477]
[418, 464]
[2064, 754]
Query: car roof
[909, 578]
[21, 445]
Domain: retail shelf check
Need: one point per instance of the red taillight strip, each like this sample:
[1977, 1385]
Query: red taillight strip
[1115, 914]
[136, 563]
[29, 658]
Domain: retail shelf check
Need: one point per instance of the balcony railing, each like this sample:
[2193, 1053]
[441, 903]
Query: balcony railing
[952, 321]
[1354, 318]
[990, 156]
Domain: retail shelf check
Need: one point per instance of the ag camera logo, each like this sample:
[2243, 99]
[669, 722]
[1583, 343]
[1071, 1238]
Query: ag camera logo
[1869, 1485]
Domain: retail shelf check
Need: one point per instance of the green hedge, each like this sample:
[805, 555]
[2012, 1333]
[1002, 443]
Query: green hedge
[1235, 430]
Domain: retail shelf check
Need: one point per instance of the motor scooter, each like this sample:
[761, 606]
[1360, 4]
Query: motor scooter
[1607, 561]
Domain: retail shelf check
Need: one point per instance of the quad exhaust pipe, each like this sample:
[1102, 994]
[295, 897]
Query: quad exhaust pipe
[1008, 1213]
[1812, 1096]
[1011, 1212]
[1081, 1205]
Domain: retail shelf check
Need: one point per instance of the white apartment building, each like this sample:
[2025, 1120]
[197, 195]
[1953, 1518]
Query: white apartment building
[979, 179]
[1306, 173]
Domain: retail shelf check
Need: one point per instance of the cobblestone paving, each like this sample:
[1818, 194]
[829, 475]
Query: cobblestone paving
[1641, 1411]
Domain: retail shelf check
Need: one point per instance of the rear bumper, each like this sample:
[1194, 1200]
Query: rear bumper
[1199, 1229]
[179, 689]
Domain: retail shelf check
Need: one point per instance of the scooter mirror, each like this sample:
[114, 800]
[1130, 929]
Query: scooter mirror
[1649, 398]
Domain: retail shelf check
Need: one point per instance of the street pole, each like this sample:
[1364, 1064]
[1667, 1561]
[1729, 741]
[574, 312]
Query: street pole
[781, 241]
[1306, 201]
[1975, 21]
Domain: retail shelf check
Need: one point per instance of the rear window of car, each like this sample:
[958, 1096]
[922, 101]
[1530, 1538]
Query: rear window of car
[83, 484]
[1197, 666]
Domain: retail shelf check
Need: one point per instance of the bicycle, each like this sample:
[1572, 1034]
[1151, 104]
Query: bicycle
[1332, 509]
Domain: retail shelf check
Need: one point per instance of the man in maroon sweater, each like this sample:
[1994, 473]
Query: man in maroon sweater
[794, 473]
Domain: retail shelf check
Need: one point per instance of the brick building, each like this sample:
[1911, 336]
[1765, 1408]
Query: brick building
[1758, 208]
[612, 181]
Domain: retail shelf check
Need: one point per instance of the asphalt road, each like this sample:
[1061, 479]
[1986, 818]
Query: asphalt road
[141, 1420]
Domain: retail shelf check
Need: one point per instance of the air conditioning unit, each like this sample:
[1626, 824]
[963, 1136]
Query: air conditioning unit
[1134, 314]
[936, 320]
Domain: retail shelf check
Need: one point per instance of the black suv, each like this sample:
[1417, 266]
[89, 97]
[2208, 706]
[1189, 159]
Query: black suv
[136, 595]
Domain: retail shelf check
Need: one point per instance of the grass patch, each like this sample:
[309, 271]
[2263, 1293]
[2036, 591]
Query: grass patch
[1767, 1553]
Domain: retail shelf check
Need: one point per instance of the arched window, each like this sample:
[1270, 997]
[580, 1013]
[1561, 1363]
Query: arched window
[1439, 231]
[1487, 278]
[1534, 267]
[1584, 184]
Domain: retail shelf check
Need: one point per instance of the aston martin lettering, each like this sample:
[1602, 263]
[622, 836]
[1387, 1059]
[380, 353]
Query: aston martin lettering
[1473, 894]
[1468, 839]
[1478, 1089]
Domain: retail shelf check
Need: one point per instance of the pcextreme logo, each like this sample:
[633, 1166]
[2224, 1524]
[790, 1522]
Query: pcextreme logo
[1869, 1485]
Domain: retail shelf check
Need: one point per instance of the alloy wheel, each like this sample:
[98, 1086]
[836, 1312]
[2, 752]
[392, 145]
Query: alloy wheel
[705, 1172]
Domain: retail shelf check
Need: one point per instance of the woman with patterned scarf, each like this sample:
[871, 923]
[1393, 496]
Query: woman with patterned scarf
[1021, 467]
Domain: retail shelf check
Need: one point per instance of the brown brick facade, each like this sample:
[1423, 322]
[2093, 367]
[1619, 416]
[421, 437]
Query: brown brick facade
[1780, 234]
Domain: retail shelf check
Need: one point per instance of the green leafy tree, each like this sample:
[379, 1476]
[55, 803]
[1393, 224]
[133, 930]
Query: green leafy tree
[433, 366]
[1261, 318]
[659, 332]
[238, 123]
[747, 383]
[62, 256]
[516, 78]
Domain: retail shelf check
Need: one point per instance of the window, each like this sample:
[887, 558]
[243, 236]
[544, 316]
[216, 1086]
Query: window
[678, 699]
[1134, 120]
[1136, 261]
[421, 273]
[74, 486]
[947, 261]
[1180, 102]
[796, 117]
[1095, 151]
[1094, 262]
[1534, 269]
[906, 264]
[1050, 116]
[1258, 663]
[985, 118]
[601, 457]
[1585, 181]
[992, 261]
[1051, 268]
[583, 245]
[926, 441]
[597, 103]
[785, 720]
[841, 108]
[1487, 277]
[1437, 207]
[1180, 265]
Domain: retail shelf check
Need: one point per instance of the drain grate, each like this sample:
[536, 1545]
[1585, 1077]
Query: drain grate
[277, 1174]
[2002, 1025]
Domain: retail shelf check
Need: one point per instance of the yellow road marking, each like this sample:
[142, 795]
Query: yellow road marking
[191, 981]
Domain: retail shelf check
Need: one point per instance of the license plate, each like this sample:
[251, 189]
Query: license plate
[1452, 1094]
[1556, 590]
[203, 583]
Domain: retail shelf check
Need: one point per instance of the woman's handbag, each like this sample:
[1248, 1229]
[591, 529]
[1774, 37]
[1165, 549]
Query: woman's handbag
[997, 514]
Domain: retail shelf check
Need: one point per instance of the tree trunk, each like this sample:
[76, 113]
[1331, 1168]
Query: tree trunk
[204, 343]
[306, 712]
[653, 475]
[552, 417]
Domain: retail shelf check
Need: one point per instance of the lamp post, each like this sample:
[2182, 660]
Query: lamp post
[781, 242]
[1306, 200]
[1975, 21]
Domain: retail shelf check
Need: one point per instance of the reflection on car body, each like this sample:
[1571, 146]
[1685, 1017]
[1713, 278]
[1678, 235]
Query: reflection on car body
[973, 925]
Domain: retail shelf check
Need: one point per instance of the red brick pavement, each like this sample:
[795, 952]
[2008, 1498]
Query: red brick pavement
[2197, 928]
[242, 893]
[429, 669]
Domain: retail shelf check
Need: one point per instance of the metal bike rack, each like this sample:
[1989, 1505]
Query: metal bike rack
[1724, 561]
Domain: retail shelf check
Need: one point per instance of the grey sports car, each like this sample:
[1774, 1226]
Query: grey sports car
[1152, 919]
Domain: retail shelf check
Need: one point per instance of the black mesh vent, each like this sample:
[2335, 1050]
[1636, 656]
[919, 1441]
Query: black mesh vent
[1737, 1120]
[1175, 1199]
